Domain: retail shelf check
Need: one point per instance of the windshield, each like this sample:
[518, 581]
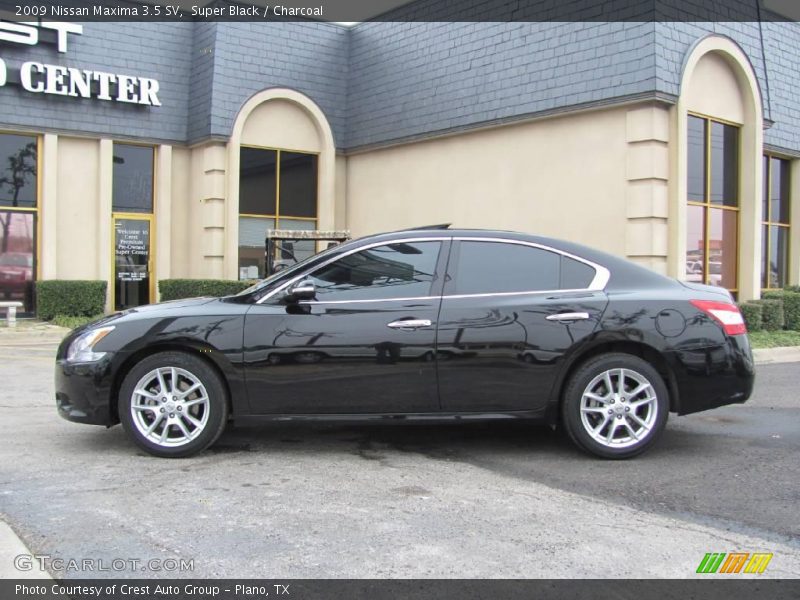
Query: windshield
[16, 260]
[291, 271]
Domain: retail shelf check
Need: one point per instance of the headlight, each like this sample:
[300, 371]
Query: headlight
[80, 350]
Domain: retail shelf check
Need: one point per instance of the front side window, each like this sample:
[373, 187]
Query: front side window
[277, 190]
[712, 215]
[133, 178]
[398, 270]
[499, 267]
[775, 224]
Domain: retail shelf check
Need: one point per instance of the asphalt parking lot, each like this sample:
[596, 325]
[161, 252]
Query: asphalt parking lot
[330, 501]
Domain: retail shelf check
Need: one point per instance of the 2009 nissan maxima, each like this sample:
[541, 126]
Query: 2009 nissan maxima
[418, 324]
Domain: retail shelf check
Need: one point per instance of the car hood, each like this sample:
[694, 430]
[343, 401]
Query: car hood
[149, 311]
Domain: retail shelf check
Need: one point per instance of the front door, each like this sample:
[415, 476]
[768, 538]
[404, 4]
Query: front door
[133, 261]
[365, 344]
[510, 312]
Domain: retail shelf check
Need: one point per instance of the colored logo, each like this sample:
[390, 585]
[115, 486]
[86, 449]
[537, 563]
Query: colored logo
[734, 562]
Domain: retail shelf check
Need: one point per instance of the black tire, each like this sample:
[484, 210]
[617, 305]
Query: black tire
[579, 383]
[217, 404]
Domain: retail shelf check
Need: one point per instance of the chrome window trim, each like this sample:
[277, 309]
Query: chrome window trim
[598, 283]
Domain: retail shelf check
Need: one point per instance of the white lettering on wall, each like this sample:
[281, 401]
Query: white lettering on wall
[28, 32]
[43, 78]
[26, 76]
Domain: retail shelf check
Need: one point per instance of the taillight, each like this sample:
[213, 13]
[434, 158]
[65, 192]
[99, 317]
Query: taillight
[724, 313]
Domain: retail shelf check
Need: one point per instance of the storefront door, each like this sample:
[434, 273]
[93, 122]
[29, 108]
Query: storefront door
[133, 261]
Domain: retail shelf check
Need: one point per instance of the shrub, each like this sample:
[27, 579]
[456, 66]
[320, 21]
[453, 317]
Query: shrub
[752, 313]
[791, 309]
[175, 289]
[792, 288]
[73, 322]
[772, 314]
[70, 298]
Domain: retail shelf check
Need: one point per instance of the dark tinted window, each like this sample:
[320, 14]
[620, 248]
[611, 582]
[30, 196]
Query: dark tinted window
[298, 185]
[399, 270]
[18, 166]
[133, 178]
[575, 275]
[779, 191]
[724, 164]
[257, 181]
[696, 159]
[495, 267]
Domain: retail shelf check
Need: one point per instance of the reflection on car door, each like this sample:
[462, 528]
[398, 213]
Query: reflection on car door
[509, 313]
[365, 344]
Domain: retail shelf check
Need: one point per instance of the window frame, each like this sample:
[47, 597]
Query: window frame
[35, 210]
[707, 205]
[275, 218]
[767, 223]
[440, 265]
[153, 178]
[598, 284]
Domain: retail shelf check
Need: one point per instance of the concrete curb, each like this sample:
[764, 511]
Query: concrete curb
[766, 356]
[10, 547]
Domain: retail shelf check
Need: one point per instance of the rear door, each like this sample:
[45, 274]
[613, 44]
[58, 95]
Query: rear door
[510, 312]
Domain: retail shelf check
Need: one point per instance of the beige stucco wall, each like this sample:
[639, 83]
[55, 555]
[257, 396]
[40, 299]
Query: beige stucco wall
[713, 90]
[564, 177]
[181, 213]
[78, 179]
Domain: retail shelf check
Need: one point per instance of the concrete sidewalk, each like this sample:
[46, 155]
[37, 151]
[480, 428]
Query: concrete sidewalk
[12, 547]
[765, 356]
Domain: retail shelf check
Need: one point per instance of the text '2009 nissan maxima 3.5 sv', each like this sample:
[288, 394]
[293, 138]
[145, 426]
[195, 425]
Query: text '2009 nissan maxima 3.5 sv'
[419, 324]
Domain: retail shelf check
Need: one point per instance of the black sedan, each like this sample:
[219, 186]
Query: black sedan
[426, 323]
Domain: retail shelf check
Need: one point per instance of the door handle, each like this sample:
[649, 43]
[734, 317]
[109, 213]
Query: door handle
[409, 324]
[568, 316]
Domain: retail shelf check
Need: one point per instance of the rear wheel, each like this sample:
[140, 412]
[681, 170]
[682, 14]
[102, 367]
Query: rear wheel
[615, 406]
[173, 404]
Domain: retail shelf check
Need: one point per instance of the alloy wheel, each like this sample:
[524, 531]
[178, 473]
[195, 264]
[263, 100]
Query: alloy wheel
[170, 406]
[619, 408]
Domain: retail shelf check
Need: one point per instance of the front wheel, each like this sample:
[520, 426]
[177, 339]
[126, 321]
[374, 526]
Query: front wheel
[173, 404]
[615, 406]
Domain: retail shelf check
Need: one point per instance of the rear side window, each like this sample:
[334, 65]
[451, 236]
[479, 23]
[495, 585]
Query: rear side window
[575, 275]
[499, 267]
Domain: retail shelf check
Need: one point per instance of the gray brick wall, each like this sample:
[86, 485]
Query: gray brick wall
[407, 79]
[201, 80]
[385, 81]
[157, 50]
[311, 58]
[782, 48]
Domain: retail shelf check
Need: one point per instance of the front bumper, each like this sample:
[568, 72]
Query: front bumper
[83, 391]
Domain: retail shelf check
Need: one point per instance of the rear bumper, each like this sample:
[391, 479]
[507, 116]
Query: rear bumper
[713, 376]
[83, 392]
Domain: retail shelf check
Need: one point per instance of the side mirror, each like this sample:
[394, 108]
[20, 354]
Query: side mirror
[302, 290]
